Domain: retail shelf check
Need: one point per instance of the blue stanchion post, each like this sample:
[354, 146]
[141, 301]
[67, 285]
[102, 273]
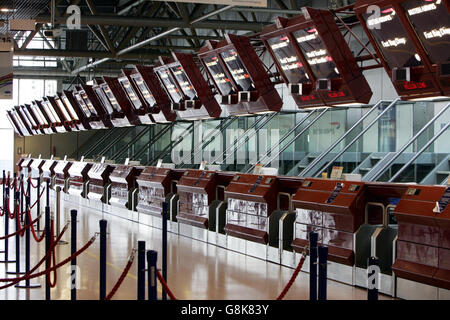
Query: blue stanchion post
[323, 260]
[103, 225]
[73, 249]
[38, 204]
[313, 239]
[152, 259]
[4, 198]
[165, 213]
[48, 240]
[373, 271]
[22, 191]
[7, 198]
[141, 271]
[17, 223]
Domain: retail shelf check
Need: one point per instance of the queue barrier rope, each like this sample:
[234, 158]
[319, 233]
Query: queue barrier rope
[12, 215]
[53, 244]
[21, 230]
[33, 230]
[165, 286]
[31, 183]
[28, 275]
[294, 275]
[122, 276]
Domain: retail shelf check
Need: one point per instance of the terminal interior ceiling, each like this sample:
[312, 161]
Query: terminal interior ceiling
[254, 129]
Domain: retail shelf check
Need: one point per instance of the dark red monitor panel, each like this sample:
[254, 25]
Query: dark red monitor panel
[55, 118]
[111, 105]
[29, 120]
[40, 119]
[315, 61]
[138, 104]
[152, 94]
[69, 113]
[47, 116]
[62, 112]
[239, 76]
[190, 94]
[92, 108]
[69, 100]
[397, 43]
[17, 124]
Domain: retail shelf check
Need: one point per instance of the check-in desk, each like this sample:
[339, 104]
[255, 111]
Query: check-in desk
[335, 210]
[251, 199]
[197, 207]
[123, 191]
[78, 179]
[154, 185]
[48, 171]
[24, 166]
[422, 264]
[99, 182]
[62, 175]
[36, 168]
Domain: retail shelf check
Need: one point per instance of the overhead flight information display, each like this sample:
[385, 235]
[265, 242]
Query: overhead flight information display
[288, 59]
[147, 95]
[170, 85]
[183, 81]
[219, 74]
[431, 20]
[238, 70]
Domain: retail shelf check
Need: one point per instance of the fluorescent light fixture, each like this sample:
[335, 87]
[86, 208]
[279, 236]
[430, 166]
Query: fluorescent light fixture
[430, 98]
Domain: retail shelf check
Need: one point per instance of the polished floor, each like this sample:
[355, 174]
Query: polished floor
[196, 270]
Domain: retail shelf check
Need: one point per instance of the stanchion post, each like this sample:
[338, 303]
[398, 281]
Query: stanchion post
[17, 222]
[47, 193]
[323, 260]
[4, 199]
[165, 213]
[48, 240]
[73, 250]
[58, 214]
[373, 272]
[313, 238]
[22, 191]
[7, 195]
[38, 204]
[152, 258]
[103, 225]
[141, 271]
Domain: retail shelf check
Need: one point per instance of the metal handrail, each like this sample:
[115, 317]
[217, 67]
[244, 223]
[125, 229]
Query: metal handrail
[97, 142]
[125, 147]
[153, 140]
[323, 154]
[173, 144]
[437, 135]
[284, 138]
[299, 134]
[223, 125]
[414, 138]
[357, 137]
[114, 141]
[245, 133]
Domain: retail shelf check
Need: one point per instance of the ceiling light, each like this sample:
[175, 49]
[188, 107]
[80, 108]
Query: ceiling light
[6, 10]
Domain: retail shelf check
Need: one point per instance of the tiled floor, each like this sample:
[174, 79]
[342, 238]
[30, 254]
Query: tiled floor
[196, 270]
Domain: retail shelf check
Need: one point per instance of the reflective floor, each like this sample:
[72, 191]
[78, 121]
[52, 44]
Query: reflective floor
[196, 270]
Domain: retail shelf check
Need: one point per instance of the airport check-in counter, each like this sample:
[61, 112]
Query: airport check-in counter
[123, 186]
[197, 213]
[422, 264]
[25, 167]
[250, 201]
[154, 189]
[62, 175]
[78, 178]
[98, 182]
[48, 171]
[335, 210]
[36, 168]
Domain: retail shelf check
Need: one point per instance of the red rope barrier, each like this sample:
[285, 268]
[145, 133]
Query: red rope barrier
[31, 183]
[164, 284]
[28, 275]
[122, 276]
[20, 230]
[12, 216]
[294, 276]
[33, 231]
[53, 260]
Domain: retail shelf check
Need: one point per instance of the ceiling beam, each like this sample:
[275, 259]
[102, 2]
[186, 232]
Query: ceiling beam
[31, 36]
[102, 28]
[84, 54]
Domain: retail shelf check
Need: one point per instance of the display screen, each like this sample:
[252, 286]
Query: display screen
[70, 107]
[27, 116]
[63, 109]
[88, 103]
[39, 115]
[83, 105]
[144, 90]
[315, 52]
[170, 85]
[50, 112]
[18, 120]
[102, 96]
[238, 70]
[218, 73]
[286, 56]
[431, 21]
[184, 82]
[126, 85]
[112, 98]
[391, 38]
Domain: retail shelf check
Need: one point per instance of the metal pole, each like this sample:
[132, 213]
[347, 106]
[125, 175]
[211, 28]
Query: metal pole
[47, 249]
[313, 238]
[21, 196]
[103, 225]
[165, 213]
[141, 271]
[6, 260]
[73, 249]
[38, 204]
[4, 199]
[58, 214]
[323, 260]
[373, 271]
[152, 257]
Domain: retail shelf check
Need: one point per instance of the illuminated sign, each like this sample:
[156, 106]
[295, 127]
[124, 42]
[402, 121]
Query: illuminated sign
[170, 86]
[184, 82]
[144, 90]
[238, 70]
[218, 73]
